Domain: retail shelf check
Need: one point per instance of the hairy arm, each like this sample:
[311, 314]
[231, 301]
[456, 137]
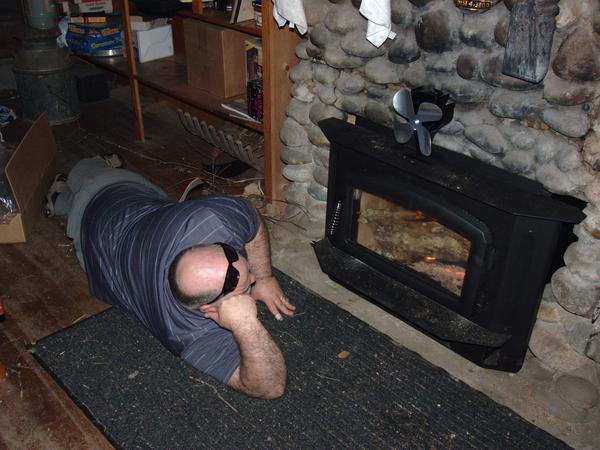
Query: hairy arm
[267, 288]
[262, 372]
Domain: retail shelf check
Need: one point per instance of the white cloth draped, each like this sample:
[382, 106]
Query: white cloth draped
[377, 12]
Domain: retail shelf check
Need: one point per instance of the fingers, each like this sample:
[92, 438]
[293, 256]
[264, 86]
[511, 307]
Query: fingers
[285, 306]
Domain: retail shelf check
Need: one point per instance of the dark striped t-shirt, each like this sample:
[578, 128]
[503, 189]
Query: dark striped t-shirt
[129, 237]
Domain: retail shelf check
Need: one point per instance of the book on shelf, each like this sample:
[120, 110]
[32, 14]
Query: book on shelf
[71, 7]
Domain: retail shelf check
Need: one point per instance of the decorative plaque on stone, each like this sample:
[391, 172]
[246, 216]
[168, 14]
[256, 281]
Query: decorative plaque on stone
[475, 5]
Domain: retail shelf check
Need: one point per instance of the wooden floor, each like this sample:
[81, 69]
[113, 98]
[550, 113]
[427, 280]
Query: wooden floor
[42, 285]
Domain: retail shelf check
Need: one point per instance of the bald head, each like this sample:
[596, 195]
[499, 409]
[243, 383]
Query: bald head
[196, 275]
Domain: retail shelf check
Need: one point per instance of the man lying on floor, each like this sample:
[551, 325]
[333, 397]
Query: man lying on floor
[190, 271]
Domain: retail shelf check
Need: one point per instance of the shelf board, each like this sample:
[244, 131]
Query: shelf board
[221, 18]
[169, 76]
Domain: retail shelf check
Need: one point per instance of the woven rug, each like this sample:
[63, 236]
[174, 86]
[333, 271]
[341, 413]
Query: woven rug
[349, 386]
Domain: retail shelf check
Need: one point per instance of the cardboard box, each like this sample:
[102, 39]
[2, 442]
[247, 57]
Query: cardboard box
[215, 58]
[29, 173]
[155, 43]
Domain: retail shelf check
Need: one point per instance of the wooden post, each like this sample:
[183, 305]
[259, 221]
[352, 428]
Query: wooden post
[278, 59]
[132, 70]
[197, 6]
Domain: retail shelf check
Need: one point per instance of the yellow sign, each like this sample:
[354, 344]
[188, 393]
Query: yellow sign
[475, 5]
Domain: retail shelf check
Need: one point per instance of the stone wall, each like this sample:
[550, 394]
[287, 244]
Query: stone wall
[547, 131]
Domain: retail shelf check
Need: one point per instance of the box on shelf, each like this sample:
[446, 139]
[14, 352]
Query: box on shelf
[254, 59]
[29, 173]
[93, 38]
[154, 43]
[215, 58]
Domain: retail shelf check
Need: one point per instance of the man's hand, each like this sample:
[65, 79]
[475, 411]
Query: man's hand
[268, 291]
[231, 312]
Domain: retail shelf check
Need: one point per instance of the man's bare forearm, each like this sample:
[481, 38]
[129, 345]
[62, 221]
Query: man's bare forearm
[262, 372]
[259, 253]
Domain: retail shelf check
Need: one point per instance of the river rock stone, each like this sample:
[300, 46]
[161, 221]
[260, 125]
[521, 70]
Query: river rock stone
[577, 391]
[568, 157]
[379, 113]
[381, 70]
[336, 57]
[492, 74]
[299, 111]
[421, 3]
[591, 224]
[316, 209]
[320, 111]
[477, 30]
[445, 62]
[356, 44]
[554, 179]
[296, 155]
[501, 30]
[313, 51]
[516, 104]
[568, 93]
[401, 12]
[295, 193]
[320, 156]
[592, 350]
[315, 11]
[549, 144]
[302, 92]
[404, 48]
[570, 121]
[488, 138]
[293, 134]
[326, 94]
[520, 137]
[321, 175]
[575, 294]
[298, 172]
[436, 31]
[415, 75]
[455, 143]
[582, 261]
[344, 18]
[462, 90]
[300, 50]
[318, 192]
[549, 344]
[578, 58]
[467, 65]
[302, 72]
[325, 75]
[317, 137]
[519, 162]
[353, 104]
[350, 83]
[322, 37]
[591, 151]
[592, 191]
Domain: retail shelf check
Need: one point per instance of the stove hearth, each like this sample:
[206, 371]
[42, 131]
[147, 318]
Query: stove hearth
[457, 248]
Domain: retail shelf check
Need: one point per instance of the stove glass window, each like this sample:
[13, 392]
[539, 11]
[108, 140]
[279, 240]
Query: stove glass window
[411, 238]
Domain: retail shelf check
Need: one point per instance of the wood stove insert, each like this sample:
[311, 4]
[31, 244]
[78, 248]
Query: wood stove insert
[456, 247]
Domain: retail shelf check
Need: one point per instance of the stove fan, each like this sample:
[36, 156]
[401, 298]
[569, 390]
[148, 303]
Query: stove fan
[434, 110]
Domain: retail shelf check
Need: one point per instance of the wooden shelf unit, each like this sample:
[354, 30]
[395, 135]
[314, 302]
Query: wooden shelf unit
[168, 77]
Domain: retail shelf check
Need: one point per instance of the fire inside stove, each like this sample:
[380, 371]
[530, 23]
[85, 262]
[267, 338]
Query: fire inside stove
[412, 239]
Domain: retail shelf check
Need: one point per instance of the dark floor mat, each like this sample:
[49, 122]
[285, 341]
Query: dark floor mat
[379, 396]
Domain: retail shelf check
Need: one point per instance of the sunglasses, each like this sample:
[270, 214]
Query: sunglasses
[232, 277]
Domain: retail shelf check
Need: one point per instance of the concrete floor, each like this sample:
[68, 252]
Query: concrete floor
[293, 255]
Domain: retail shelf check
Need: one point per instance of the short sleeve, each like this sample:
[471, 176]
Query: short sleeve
[215, 353]
[238, 216]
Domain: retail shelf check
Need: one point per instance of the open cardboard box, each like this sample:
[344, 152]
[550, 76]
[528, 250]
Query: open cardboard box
[29, 173]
